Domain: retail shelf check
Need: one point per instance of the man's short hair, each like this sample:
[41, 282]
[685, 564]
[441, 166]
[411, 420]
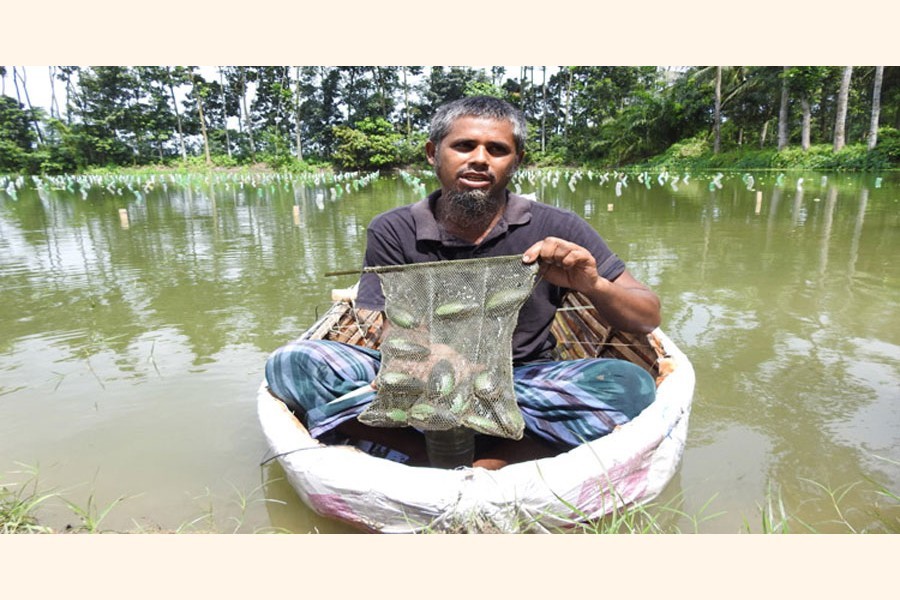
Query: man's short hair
[487, 107]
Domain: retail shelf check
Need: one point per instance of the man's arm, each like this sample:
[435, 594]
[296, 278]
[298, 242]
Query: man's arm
[626, 303]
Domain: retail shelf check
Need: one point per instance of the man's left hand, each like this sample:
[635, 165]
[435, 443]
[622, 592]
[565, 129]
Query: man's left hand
[625, 302]
[564, 264]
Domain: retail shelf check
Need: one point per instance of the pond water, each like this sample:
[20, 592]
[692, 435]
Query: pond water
[138, 313]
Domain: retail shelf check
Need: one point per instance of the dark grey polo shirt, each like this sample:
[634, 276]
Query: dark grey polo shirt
[410, 234]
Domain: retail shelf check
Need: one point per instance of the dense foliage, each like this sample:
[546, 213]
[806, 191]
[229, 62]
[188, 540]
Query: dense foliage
[371, 118]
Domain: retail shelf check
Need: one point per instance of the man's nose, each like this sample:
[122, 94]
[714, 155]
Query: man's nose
[479, 156]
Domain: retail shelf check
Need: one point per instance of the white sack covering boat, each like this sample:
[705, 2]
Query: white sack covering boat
[628, 467]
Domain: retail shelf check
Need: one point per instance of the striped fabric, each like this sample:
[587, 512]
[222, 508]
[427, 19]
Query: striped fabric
[563, 403]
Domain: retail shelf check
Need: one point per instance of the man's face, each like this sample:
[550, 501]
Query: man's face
[478, 155]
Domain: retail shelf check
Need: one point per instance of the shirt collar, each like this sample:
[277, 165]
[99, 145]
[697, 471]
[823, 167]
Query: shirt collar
[517, 212]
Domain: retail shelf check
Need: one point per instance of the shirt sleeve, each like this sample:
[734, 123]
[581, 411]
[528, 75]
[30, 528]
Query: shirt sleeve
[609, 265]
[382, 248]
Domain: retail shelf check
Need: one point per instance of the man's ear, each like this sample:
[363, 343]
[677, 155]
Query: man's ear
[430, 149]
[519, 158]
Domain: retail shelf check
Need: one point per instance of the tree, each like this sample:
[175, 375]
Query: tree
[106, 133]
[244, 76]
[783, 111]
[272, 108]
[407, 87]
[20, 75]
[154, 112]
[840, 120]
[568, 103]
[386, 81]
[16, 135]
[299, 121]
[200, 91]
[355, 92]
[543, 108]
[577, 114]
[601, 94]
[178, 75]
[806, 82]
[320, 109]
[54, 105]
[68, 74]
[371, 144]
[448, 85]
[876, 107]
[717, 111]
[750, 101]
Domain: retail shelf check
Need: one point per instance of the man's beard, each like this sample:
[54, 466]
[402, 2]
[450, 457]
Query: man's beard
[470, 207]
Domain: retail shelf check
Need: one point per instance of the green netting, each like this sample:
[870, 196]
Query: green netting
[446, 360]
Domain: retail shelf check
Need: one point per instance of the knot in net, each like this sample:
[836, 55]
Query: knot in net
[446, 359]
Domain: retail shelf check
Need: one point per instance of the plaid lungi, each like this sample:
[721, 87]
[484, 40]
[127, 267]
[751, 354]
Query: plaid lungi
[564, 403]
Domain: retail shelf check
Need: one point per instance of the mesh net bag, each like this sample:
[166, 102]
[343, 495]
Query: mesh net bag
[446, 360]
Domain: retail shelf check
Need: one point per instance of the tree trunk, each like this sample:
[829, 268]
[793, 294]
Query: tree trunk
[763, 134]
[16, 83]
[383, 92]
[177, 116]
[225, 112]
[70, 92]
[406, 105]
[783, 112]
[717, 113]
[544, 109]
[203, 126]
[806, 123]
[823, 121]
[840, 120]
[876, 107]
[531, 81]
[522, 71]
[22, 77]
[297, 118]
[246, 114]
[54, 105]
[568, 105]
[282, 116]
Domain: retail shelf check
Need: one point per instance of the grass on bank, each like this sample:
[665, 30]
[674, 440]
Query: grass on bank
[21, 502]
[696, 154]
[18, 505]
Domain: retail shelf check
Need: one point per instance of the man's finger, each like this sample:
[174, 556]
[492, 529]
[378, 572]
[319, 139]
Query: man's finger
[532, 253]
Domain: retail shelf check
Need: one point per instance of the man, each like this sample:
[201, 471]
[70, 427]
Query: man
[475, 146]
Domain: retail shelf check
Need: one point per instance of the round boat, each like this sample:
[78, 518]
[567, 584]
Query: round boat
[626, 468]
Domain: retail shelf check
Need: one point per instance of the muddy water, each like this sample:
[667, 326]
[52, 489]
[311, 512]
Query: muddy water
[132, 343]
